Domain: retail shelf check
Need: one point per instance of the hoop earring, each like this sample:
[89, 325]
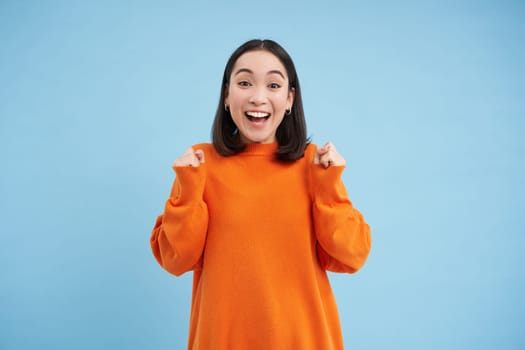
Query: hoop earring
[288, 111]
[227, 108]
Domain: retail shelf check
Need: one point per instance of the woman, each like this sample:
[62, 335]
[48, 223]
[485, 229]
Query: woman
[259, 216]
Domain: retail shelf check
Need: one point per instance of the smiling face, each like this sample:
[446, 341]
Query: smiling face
[258, 96]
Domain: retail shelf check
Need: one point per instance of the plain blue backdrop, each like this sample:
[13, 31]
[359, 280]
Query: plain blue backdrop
[425, 99]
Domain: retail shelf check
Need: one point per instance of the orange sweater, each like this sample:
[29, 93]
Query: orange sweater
[259, 236]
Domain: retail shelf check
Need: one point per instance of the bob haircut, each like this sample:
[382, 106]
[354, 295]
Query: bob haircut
[291, 133]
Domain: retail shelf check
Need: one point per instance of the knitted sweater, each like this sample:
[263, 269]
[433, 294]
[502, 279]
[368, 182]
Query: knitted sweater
[259, 236]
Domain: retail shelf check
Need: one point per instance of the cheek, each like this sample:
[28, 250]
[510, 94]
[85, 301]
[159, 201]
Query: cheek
[235, 97]
[282, 101]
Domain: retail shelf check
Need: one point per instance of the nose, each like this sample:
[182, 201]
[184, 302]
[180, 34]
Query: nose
[259, 96]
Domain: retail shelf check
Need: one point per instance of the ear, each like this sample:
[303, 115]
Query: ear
[226, 91]
[291, 97]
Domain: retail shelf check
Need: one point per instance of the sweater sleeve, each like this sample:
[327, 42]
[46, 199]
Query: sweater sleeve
[179, 234]
[343, 236]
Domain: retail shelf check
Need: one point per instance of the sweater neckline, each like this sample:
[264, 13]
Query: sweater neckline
[261, 149]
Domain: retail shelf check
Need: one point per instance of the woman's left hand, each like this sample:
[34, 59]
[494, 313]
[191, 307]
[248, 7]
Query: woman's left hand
[327, 156]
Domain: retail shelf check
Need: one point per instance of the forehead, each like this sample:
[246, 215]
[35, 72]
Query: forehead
[260, 62]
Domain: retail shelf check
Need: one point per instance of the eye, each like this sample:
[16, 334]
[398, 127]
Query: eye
[274, 86]
[244, 83]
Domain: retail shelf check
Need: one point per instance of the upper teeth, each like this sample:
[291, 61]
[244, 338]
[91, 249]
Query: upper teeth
[258, 114]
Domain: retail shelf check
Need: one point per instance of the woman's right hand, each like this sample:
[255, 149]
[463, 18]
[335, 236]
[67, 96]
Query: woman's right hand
[191, 157]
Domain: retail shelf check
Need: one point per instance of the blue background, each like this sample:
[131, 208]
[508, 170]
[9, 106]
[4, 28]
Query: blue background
[425, 99]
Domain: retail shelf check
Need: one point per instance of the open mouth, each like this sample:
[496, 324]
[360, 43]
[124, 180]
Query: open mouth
[257, 116]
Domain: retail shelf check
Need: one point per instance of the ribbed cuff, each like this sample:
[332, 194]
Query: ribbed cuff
[327, 184]
[189, 184]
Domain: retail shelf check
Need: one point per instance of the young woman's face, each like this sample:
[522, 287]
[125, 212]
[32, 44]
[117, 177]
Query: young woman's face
[258, 96]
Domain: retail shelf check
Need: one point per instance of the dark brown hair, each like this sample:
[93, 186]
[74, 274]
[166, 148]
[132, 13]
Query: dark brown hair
[291, 133]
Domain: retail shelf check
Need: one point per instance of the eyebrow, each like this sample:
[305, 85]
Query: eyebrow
[249, 71]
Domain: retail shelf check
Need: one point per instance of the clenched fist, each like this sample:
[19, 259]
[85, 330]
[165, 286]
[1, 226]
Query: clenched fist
[327, 156]
[190, 158]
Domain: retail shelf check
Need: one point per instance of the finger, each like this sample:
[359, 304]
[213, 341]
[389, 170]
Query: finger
[321, 154]
[191, 157]
[322, 150]
[188, 158]
[326, 161]
[194, 160]
[200, 155]
[330, 146]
